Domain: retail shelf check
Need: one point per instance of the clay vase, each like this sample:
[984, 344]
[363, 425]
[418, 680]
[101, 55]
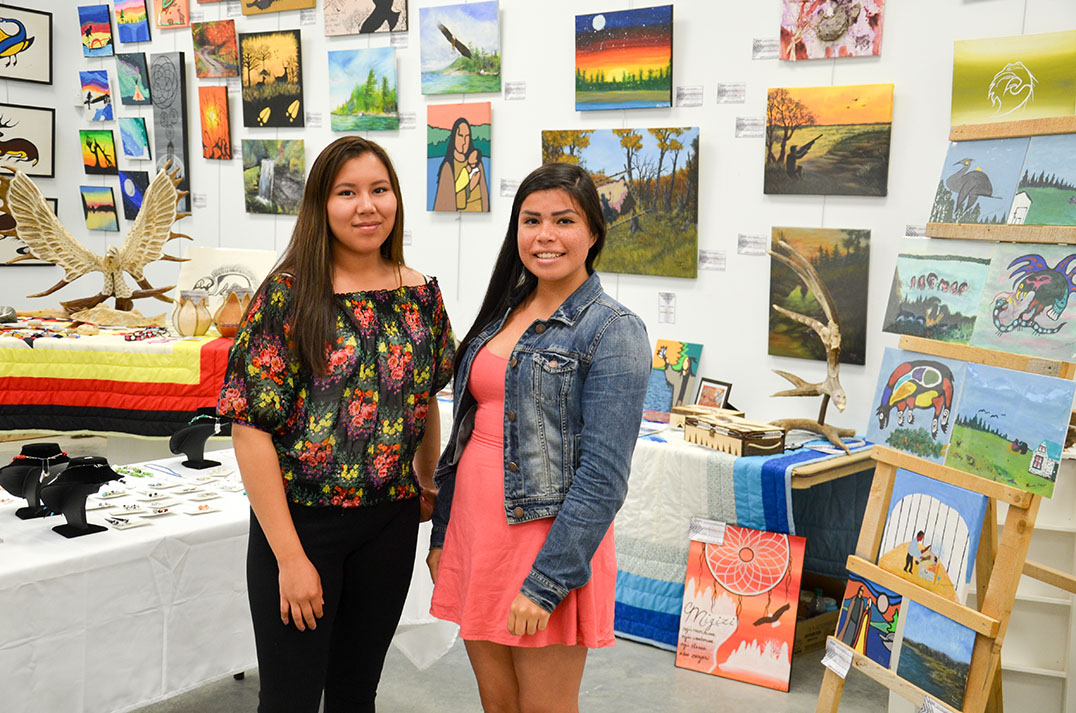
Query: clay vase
[191, 317]
[231, 311]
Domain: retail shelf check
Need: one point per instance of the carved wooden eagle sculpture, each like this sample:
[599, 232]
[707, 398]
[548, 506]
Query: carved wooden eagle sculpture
[48, 240]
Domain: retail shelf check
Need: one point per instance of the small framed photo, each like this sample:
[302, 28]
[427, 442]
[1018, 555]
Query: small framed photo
[27, 45]
[713, 393]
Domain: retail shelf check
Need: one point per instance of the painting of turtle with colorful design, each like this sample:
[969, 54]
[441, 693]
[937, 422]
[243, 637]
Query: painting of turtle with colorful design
[978, 181]
[672, 374]
[868, 619]
[271, 71]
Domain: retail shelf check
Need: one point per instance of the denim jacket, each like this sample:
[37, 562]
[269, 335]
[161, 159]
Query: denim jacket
[574, 391]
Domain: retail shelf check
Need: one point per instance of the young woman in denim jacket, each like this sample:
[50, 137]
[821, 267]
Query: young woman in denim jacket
[549, 392]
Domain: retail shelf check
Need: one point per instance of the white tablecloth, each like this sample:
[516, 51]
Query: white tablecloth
[119, 619]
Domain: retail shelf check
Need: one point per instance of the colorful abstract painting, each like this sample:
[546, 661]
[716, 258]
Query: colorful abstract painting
[937, 286]
[260, 7]
[133, 185]
[95, 27]
[173, 14]
[817, 29]
[1046, 194]
[741, 595]
[868, 619]
[931, 534]
[99, 208]
[29, 137]
[132, 21]
[170, 134]
[359, 17]
[216, 52]
[841, 257]
[829, 140]
[96, 94]
[651, 216]
[1028, 306]
[978, 181]
[216, 129]
[362, 89]
[672, 375]
[914, 403]
[272, 75]
[27, 40]
[134, 138]
[935, 654]
[274, 173]
[458, 157]
[1010, 427]
[623, 59]
[98, 151]
[1013, 78]
[460, 48]
[132, 74]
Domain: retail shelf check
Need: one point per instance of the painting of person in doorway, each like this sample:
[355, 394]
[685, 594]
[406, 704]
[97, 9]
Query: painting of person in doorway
[457, 163]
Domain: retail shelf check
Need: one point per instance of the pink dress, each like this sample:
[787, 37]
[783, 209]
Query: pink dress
[485, 560]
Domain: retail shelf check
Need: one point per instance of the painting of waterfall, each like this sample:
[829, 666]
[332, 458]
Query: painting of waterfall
[274, 173]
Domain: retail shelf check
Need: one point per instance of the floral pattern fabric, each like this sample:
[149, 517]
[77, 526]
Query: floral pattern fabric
[346, 438]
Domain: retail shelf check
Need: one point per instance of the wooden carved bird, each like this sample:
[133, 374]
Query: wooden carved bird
[460, 47]
[48, 240]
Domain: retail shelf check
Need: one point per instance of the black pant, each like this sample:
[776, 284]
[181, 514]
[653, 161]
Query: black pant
[364, 557]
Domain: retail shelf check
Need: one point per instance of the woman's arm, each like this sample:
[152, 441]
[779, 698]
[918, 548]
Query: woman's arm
[429, 448]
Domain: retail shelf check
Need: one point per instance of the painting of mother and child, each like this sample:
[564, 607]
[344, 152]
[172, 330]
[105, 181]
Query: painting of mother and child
[458, 157]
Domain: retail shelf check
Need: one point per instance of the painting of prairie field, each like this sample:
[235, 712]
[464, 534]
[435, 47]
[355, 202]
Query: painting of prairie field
[829, 140]
[623, 60]
[648, 182]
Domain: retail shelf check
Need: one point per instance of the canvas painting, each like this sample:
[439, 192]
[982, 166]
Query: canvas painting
[978, 181]
[27, 40]
[132, 21]
[173, 14]
[133, 138]
[932, 533]
[96, 94]
[841, 258]
[170, 117]
[1010, 427]
[260, 7]
[937, 286]
[623, 59]
[99, 208]
[651, 214]
[741, 595]
[829, 140]
[220, 270]
[935, 654]
[868, 620]
[132, 74]
[274, 173]
[27, 140]
[817, 29]
[362, 89]
[914, 403]
[1012, 78]
[216, 129]
[272, 75]
[133, 185]
[672, 374]
[95, 26]
[359, 17]
[1028, 304]
[216, 53]
[458, 157]
[11, 247]
[98, 152]
[460, 48]
[1046, 194]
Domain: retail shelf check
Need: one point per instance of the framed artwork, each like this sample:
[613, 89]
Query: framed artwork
[274, 173]
[95, 26]
[662, 205]
[672, 374]
[713, 393]
[216, 52]
[1044, 195]
[458, 157]
[132, 20]
[460, 48]
[99, 208]
[817, 30]
[134, 138]
[96, 94]
[216, 130]
[260, 7]
[170, 135]
[221, 270]
[935, 654]
[272, 77]
[27, 42]
[133, 185]
[978, 181]
[173, 14]
[362, 89]
[98, 152]
[28, 139]
[623, 59]
[359, 17]
[132, 74]
[11, 247]
[868, 619]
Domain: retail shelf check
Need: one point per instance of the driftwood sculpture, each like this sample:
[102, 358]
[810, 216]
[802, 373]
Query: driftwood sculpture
[48, 240]
[830, 333]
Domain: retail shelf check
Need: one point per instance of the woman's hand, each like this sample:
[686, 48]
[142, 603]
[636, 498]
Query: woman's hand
[427, 499]
[526, 617]
[432, 561]
[300, 593]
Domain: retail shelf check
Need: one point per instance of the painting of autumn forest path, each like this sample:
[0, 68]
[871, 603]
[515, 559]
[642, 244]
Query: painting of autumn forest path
[648, 182]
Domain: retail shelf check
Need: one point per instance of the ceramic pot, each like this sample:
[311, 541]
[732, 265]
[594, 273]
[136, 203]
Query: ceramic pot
[191, 316]
[231, 311]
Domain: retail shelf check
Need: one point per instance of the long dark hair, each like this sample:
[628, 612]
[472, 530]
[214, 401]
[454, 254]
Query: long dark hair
[452, 146]
[511, 282]
[309, 256]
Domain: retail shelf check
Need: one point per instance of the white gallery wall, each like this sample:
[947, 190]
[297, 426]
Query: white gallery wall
[725, 310]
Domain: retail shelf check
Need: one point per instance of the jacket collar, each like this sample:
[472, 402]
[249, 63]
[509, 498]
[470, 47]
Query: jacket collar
[578, 301]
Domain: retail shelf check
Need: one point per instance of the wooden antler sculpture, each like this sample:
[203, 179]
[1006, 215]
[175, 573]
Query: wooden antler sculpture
[829, 333]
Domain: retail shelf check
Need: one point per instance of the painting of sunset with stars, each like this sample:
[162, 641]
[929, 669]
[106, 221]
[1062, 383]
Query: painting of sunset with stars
[623, 60]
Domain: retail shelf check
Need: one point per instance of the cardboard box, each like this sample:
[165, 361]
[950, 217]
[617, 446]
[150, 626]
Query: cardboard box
[811, 633]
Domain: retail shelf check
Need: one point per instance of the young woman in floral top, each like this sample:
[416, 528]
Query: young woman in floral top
[331, 386]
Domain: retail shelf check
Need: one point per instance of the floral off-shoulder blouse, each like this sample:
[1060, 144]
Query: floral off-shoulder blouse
[348, 438]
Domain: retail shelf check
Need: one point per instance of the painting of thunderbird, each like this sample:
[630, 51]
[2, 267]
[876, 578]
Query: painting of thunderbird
[460, 48]
[457, 157]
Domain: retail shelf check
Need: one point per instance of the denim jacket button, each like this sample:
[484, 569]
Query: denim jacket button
[513, 467]
[512, 362]
[539, 328]
[518, 512]
[511, 415]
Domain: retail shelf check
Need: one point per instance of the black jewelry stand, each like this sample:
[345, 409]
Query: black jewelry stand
[191, 440]
[24, 475]
[67, 493]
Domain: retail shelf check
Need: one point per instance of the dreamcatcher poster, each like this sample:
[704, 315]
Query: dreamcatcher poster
[741, 594]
